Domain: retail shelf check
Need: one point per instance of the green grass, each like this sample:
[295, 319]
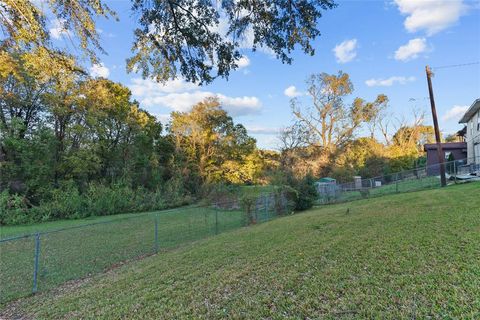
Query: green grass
[256, 190]
[77, 252]
[17, 230]
[88, 246]
[404, 256]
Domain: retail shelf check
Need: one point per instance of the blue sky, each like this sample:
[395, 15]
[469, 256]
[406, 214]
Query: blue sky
[383, 45]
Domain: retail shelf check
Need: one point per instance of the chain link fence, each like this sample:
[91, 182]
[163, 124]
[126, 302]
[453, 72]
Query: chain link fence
[41, 261]
[409, 180]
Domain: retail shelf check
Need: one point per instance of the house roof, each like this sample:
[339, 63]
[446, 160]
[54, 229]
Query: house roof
[463, 132]
[471, 111]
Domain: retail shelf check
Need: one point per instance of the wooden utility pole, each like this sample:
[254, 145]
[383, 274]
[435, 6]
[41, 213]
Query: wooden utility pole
[441, 157]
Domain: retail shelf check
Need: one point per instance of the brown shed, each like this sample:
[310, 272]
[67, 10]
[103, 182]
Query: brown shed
[457, 149]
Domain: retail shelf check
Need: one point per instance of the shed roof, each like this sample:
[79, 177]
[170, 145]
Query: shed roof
[471, 111]
[326, 179]
[446, 146]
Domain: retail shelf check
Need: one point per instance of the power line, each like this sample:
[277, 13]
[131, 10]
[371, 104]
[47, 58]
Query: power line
[457, 65]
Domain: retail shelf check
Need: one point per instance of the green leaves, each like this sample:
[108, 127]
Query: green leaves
[198, 40]
[210, 141]
[201, 40]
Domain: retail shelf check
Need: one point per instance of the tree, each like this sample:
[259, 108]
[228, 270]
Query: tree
[293, 137]
[329, 121]
[453, 137]
[187, 35]
[199, 40]
[414, 137]
[21, 93]
[363, 156]
[375, 114]
[209, 139]
[23, 22]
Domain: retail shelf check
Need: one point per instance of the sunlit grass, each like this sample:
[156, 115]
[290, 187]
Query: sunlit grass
[404, 256]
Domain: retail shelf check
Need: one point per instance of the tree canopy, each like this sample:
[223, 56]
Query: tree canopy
[198, 40]
[211, 141]
[329, 122]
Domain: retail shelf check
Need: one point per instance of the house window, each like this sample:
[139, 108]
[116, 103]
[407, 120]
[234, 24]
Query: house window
[478, 122]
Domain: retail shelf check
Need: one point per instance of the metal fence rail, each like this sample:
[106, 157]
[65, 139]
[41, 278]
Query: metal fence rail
[44, 260]
[409, 180]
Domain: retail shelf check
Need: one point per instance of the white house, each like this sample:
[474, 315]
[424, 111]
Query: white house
[472, 120]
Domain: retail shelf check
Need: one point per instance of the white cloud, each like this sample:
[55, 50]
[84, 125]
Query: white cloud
[346, 51]
[58, 29]
[162, 117]
[292, 92]
[389, 81]
[99, 70]
[148, 87]
[176, 101]
[430, 15]
[243, 62]
[237, 106]
[411, 50]
[179, 95]
[455, 113]
[260, 130]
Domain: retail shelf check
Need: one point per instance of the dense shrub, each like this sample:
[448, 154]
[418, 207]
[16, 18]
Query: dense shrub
[306, 192]
[103, 201]
[66, 202]
[300, 193]
[285, 198]
[13, 209]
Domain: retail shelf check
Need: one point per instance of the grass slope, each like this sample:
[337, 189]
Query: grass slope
[414, 255]
[78, 252]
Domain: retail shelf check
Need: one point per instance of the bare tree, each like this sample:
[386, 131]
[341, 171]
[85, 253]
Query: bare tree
[376, 112]
[293, 137]
[413, 132]
[328, 120]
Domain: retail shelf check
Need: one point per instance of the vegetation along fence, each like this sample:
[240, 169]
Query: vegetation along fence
[410, 180]
[35, 262]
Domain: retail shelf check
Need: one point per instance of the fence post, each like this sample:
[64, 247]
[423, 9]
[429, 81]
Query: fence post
[396, 182]
[455, 170]
[216, 220]
[266, 206]
[156, 233]
[36, 262]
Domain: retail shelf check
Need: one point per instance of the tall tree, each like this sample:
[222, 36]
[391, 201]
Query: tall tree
[199, 40]
[329, 121]
[24, 23]
[209, 138]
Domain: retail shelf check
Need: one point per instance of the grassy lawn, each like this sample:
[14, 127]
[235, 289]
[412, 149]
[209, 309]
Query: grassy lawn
[256, 190]
[411, 255]
[78, 252]
[73, 249]
[12, 231]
